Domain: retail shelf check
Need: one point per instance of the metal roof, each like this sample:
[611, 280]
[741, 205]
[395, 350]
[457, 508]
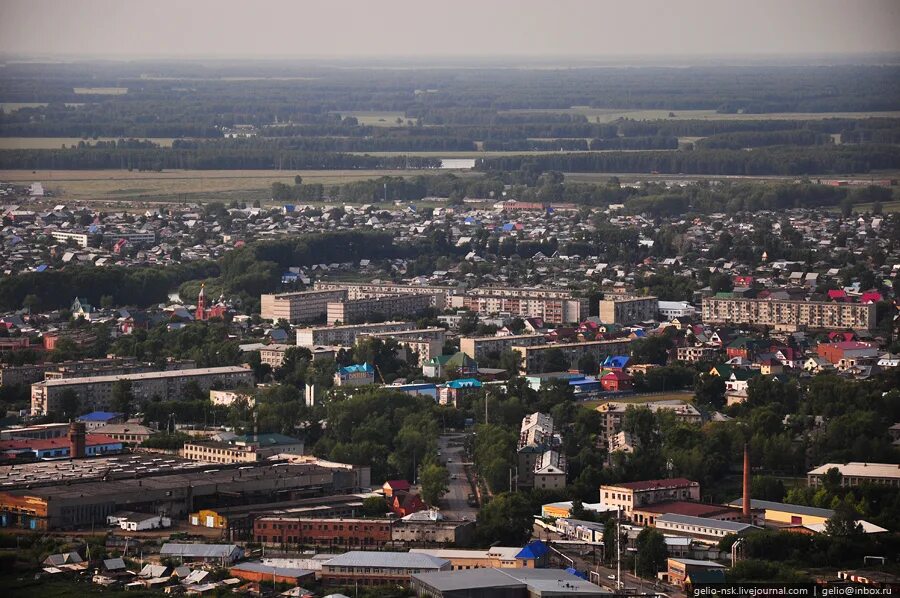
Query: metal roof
[731, 526]
[198, 550]
[272, 570]
[390, 560]
[784, 507]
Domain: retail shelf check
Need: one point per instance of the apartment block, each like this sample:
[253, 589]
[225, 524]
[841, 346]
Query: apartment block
[628, 310]
[345, 335]
[695, 354]
[788, 315]
[478, 347]
[554, 306]
[612, 414]
[440, 294]
[302, 306]
[95, 392]
[424, 342]
[388, 306]
[80, 239]
[533, 356]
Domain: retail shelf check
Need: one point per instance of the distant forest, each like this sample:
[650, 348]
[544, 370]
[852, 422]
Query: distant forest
[311, 117]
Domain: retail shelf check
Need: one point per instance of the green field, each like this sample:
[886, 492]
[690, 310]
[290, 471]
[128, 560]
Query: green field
[134, 189]
[606, 115]
[7, 143]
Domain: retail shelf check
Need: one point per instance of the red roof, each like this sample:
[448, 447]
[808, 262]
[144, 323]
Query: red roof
[870, 297]
[397, 484]
[837, 294]
[682, 507]
[43, 444]
[652, 484]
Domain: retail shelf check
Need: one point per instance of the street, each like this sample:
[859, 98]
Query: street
[454, 504]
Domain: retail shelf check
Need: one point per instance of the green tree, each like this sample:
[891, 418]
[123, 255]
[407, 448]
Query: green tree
[30, 302]
[844, 523]
[435, 482]
[69, 404]
[651, 553]
[710, 390]
[555, 361]
[506, 519]
[374, 506]
[122, 397]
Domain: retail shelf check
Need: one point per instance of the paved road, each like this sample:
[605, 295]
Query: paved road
[454, 504]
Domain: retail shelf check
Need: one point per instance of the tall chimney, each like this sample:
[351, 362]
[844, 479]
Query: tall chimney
[746, 501]
[76, 440]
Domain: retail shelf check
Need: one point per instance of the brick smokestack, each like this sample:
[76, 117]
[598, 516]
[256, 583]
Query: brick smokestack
[76, 440]
[746, 501]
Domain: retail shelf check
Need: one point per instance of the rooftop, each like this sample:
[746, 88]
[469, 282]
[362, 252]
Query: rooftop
[147, 376]
[389, 560]
[731, 526]
[861, 470]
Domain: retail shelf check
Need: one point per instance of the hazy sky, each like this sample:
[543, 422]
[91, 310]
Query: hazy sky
[363, 28]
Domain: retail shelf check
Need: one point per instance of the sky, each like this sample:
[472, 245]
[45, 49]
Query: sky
[362, 29]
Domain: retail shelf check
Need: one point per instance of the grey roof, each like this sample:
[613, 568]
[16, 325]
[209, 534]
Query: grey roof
[207, 551]
[540, 582]
[269, 569]
[731, 526]
[780, 506]
[396, 560]
[698, 563]
[113, 564]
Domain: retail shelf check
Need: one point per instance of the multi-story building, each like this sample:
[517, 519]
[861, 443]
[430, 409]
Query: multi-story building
[355, 375]
[80, 239]
[346, 335]
[287, 531]
[556, 306]
[612, 414]
[12, 375]
[702, 529]
[549, 471]
[854, 474]
[533, 356]
[424, 342]
[695, 354]
[628, 310]
[95, 392]
[440, 294]
[536, 438]
[789, 315]
[376, 568]
[243, 449]
[632, 495]
[273, 355]
[387, 306]
[301, 306]
[479, 347]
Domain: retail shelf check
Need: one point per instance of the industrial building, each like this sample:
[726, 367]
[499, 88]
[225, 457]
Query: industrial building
[95, 392]
[854, 474]
[631, 496]
[62, 505]
[504, 583]
[372, 568]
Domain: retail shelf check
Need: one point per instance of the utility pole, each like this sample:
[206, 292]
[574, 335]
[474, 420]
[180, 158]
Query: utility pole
[618, 549]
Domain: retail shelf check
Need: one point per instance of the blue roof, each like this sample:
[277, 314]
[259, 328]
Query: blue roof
[288, 207]
[576, 572]
[98, 416]
[508, 226]
[533, 550]
[41, 268]
[615, 361]
[464, 383]
[356, 367]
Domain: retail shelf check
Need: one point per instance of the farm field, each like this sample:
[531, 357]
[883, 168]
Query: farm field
[103, 91]
[182, 185]
[605, 115]
[12, 143]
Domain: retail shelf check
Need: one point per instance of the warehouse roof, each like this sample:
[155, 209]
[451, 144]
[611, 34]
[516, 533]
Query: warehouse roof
[861, 470]
[731, 526]
[206, 551]
[395, 560]
[784, 507]
[256, 567]
[147, 376]
[540, 582]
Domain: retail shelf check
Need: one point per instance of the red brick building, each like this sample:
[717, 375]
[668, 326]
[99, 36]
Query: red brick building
[617, 382]
[322, 532]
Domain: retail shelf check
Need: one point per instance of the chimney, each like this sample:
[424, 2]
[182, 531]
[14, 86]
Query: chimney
[746, 502]
[76, 440]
